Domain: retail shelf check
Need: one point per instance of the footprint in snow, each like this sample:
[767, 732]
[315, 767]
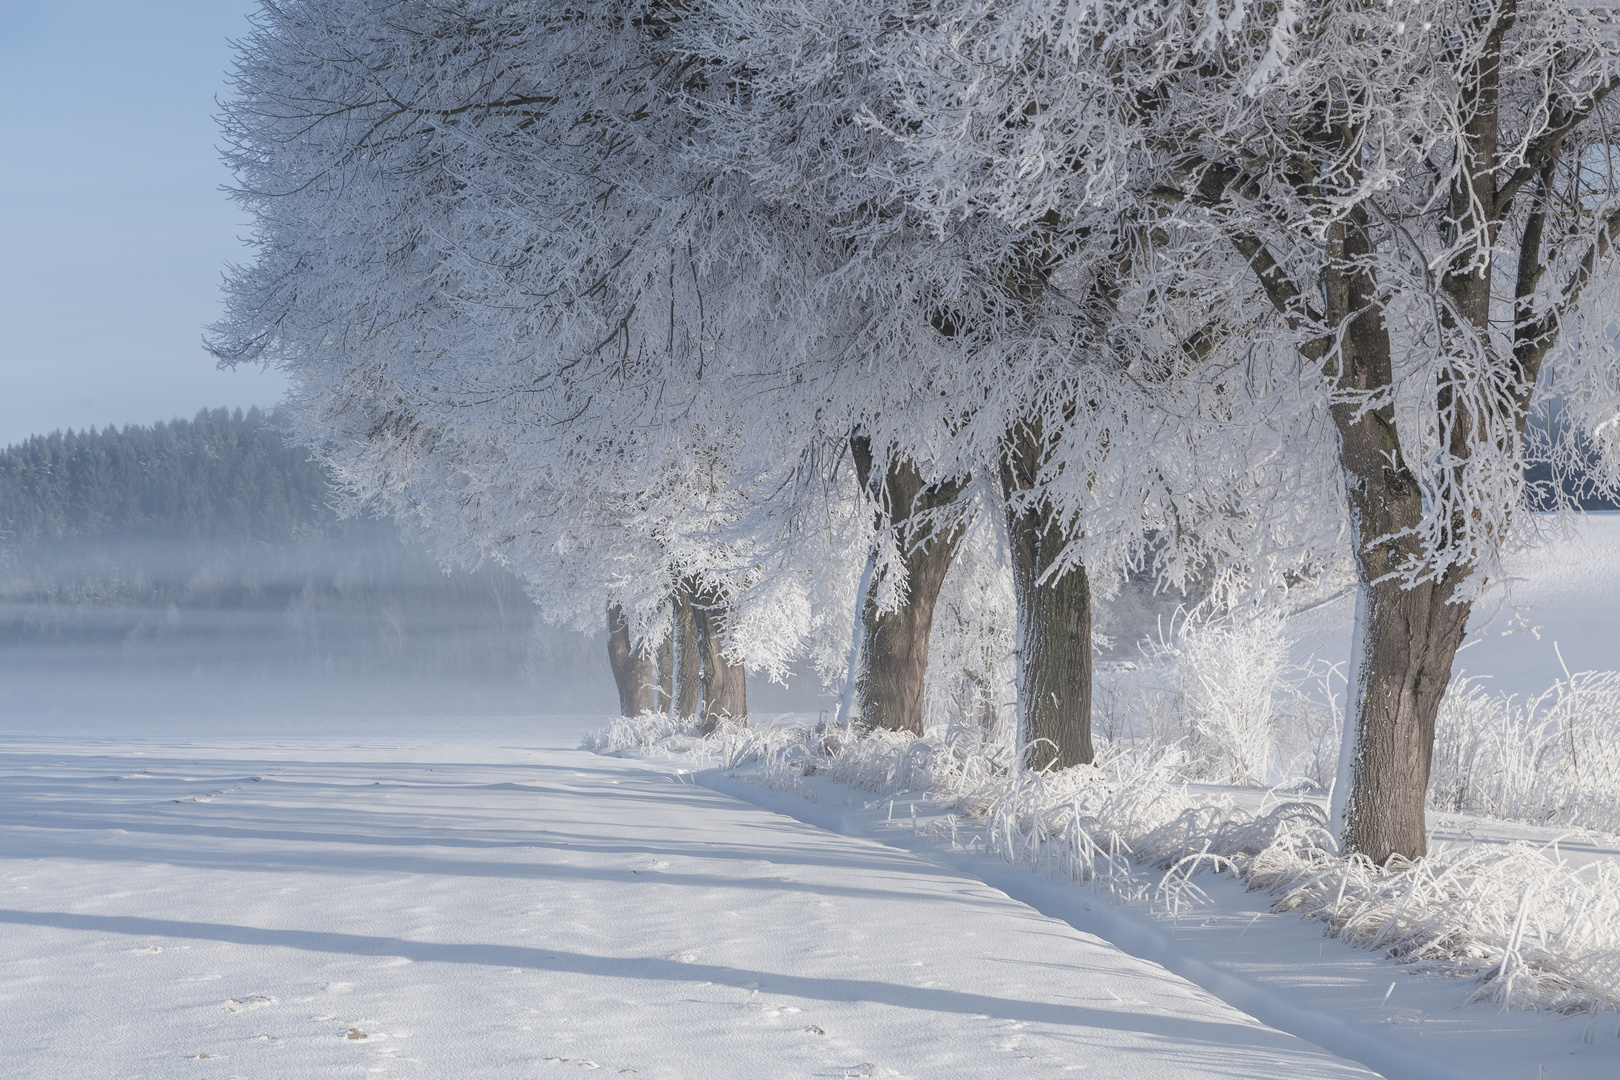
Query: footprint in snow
[251, 1001]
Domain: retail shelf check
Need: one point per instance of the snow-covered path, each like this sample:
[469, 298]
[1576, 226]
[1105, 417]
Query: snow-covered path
[242, 909]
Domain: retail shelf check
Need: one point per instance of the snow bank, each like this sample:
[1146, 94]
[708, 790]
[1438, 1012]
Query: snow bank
[1526, 927]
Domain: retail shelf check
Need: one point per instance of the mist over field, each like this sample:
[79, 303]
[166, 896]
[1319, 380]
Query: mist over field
[191, 577]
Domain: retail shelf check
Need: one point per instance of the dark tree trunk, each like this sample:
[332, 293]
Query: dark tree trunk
[1054, 621]
[894, 660]
[725, 688]
[688, 659]
[1406, 640]
[666, 673]
[632, 666]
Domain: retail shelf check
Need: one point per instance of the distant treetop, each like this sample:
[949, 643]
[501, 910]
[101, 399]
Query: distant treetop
[222, 476]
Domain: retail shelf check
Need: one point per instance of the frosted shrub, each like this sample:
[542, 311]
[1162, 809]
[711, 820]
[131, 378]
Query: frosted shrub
[648, 729]
[1553, 759]
[971, 655]
[1229, 671]
[1308, 716]
[1216, 680]
[1136, 707]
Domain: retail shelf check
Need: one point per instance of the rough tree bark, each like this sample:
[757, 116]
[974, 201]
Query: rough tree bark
[666, 673]
[1054, 620]
[688, 655]
[632, 666]
[894, 660]
[725, 687]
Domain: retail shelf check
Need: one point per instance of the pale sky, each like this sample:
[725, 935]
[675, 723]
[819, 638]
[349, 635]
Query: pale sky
[113, 230]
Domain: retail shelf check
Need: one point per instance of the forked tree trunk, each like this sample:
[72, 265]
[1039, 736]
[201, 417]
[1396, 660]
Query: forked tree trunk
[1405, 638]
[894, 661]
[1054, 622]
[688, 658]
[632, 666]
[725, 687]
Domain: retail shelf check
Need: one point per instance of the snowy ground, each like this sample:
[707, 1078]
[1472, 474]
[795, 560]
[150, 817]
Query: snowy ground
[462, 897]
[1566, 592]
[1280, 968]
[285, 909]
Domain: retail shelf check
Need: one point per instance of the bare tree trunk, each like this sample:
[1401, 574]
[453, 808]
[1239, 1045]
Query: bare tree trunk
[1054, 650]
[1054, 622]
[688, 659]
[666, 674]
[895, 643]
[725, 688]
[632, 666]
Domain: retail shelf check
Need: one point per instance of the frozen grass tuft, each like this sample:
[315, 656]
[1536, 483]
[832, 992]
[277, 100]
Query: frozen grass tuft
[1530, 929]
[1553, 759]
[674, 735]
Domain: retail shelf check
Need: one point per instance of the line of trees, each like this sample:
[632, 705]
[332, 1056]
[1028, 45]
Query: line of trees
[222, 476]
[732, 319]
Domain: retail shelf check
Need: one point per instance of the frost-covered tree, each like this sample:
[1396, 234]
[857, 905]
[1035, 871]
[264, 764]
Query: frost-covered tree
[608, 290]
[1021, 348]
[479, 230]
[379, 145]
[1425, 194]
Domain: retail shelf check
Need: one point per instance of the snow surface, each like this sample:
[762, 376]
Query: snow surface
[476, 898]
[1566, 591]
[1281, 968]
[285, 908]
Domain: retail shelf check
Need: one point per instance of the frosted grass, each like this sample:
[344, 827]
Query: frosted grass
[1552, 759]
[1217, 699]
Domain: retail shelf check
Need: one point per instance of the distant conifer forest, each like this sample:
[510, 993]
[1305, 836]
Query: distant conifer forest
[224, 476]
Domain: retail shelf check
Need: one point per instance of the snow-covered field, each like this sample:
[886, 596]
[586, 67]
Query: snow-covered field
[478, 898]
[312, 909]
[504, 905]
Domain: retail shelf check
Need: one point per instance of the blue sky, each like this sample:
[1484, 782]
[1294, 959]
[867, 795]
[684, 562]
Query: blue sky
[113, 230]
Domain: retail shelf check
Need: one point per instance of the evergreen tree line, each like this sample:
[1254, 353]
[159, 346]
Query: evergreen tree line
[223, 476]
